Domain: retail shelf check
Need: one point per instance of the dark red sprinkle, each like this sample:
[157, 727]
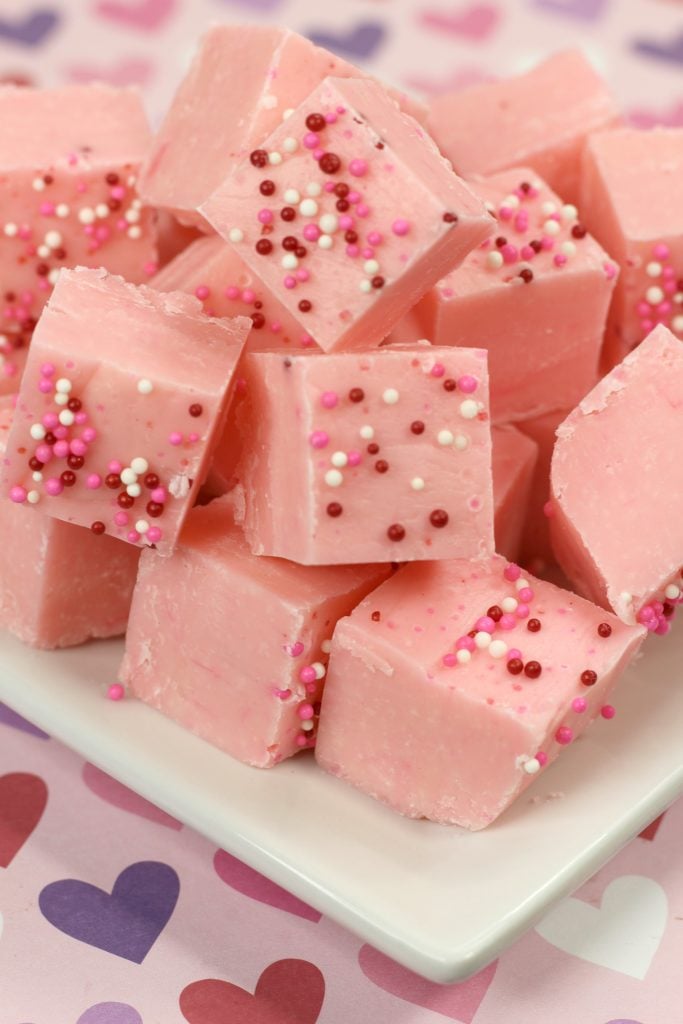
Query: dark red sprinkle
[501, 241]
[334, 509]
[472, 633]
[289, 243]
[75, 462]
[301, 251]
[125, 500]
[579, 231]
[342, 205]
[604, 629]
[378, 281]
[196, 409]
[533, 625]
[151, 481]
[98, 527]
[495, 613]
[315, 122]
[351, 237]
[535, 245]
[288, 213]
[526, 275]
[515, 666]
[396, 532]
[259, 157]
[264, 246]
[668, 609]
[356, 395]
[267, 187]
[449, 385]
[341, 189]
[154, 509]
[375, 616]
[59, 253]
[381, 466]
[42, 270]
[258, 304]
[112, 480]
[258, 321]
[450, 218]
[589, 677]
[50, 438]
[48, 179]
[68, 478]
[417, 427]
[74, 404]
[114, 204]
[373, 448]
[532, 669]
[438, 518]
[305, 306]
[112, 178]
[35, 464]
[329, 163]
[525, 186]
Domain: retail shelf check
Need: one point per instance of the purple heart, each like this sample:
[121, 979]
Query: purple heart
[622, 1020]
[110, 1013]
[671, 51]
[591, 10]
[31, 30]
[257, 5]
[360, 42]
[126, 922]
[15, 721]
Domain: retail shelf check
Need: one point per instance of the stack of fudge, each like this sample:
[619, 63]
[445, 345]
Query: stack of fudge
[312, 392]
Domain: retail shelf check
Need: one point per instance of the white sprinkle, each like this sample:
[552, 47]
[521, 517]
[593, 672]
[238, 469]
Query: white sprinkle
[62, 210]
[145, 387]
[53, 239]
[333, 478]
[37, 476]
[63, 385]
[654, 295]
[44, 252]
[678, 298]
[548, 208]
[469, 409]
[509, 604]
[269, 101]
[37, 431]
[551, 227]
[308, 208]
[521, 584]
[287, 113]
[86, 215]
[314, 188]
[61, 399]
[568, 248]
[328, 223]
[142, 526]
[307, 726]
[653, 269]
[292, 196]
[325, 242]
[672, 592]
[53, 276]
[274, 159]
[132, 215]
[290, 145]
[463, 656]
[494, 260]
[677, 324]
[134, 232]
[33, 497]
[569, 212]
[10, 229]
[445, 437]
[390, 396]
[128, 476]
[67, 418]
[371, 267]
[532, 766]
[482, 640]
[320, 669]
[365, 286]
[134, 490]
[367, 432]
[139, 465]
[497, 648]
[289, 261]
[512, 201]
[339, 459]
[326, 646]
[38, 184]
[461, 442]
[137, 204]
[417, 483]
[236, 235]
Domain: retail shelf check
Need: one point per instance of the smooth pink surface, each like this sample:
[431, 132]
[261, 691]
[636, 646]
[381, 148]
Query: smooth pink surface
[544, 337]
[411, 218]
[634, 205]
[234, 95]
[59, 584]
[239, 688]
[514, 461]
[450, 743]
[616, 477]
[57, 207]
[540, 118]
[537, 553]
[309, 445]
[137, 361]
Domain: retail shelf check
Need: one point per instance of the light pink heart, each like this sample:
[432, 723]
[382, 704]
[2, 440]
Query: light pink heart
[118, 795]
[135, 71]
[458, 1002]
[476, 22]
[254, 885]
[146, 15]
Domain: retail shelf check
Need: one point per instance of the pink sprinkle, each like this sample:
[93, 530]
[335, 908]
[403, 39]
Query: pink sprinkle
[367, 253]
[248, 295]
[159, 495]
[526, 595]
[121, 518]
[358, 168]
[232, 292]
[485, 624]
[60, 432]
[547, 243]
[468, 384]
[318, 153]
[78, 447]
[301, 740]
[346, 222]
[154, 535]
[507, 621]
[89, 435]
[355, 458]
[50, 420]
[549, 510]
[465, 643]
[663, 627]
[522, 611]
[330, 117]
[276, 327]
[513, 653]
[559, 259]
[133, 536]
[510, 253]
[289, 281]
[505, 212]
[564, 735]
[302, 274]
[375, 238]
[150, 267]
[668, 272]
[54, 487]
[527, 253]
[47, 209]
[202, 292]
[18, 495]
[579, 705]
[307, 674]
[175, 438]
[512, 572]
[362, 210]
[521, 221]
[329, 399]
[61, 449]
[661, 251]
[400, 226]
[296, 649]
[329, 187]
[264, 216]
[116, 692]
[114, 466]
[311, 140]
[353, 197]
[311, 232]
[319, 439]
[45, 386]
[450, 660]
[438, 370]
[44, 453]
[542, 758]
[352, 251]
[193, 438]
[305, 712]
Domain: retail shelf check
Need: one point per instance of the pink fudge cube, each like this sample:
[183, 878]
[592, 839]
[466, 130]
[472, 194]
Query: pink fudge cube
[617, 484]
[375, 457]
[69, 158]
[455, 731]
[348, 214]
[123, 398]
[632, 197]
[253, 689]
[59, 584]
[537, 552]
[536, 296]
[541, 118]
[241, 83]
[513, 461]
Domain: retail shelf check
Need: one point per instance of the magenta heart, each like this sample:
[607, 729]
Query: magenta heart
[110, 1013]
[252, 884]
[118, 795]
[459, 1002]
[133, 71]
[146, 15]
[476, 22]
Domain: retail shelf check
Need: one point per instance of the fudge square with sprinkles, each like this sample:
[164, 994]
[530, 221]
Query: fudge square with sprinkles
[348, 213]
[69, 160]
[367, 457]
[123, 399]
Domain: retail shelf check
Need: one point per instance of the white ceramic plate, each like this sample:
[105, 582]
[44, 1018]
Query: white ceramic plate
[440, 900]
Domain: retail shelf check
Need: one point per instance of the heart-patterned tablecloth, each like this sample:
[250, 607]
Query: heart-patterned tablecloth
[110, 911]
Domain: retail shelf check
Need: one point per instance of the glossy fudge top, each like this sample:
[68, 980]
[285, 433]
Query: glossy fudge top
[74, 124]
[123, 394]
[349, 213]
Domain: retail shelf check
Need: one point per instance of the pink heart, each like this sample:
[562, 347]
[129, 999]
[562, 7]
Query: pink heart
[252, 884]
[146, 15]
[459, 1002]
[118, 795]
[476, 22]
[134, 71]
